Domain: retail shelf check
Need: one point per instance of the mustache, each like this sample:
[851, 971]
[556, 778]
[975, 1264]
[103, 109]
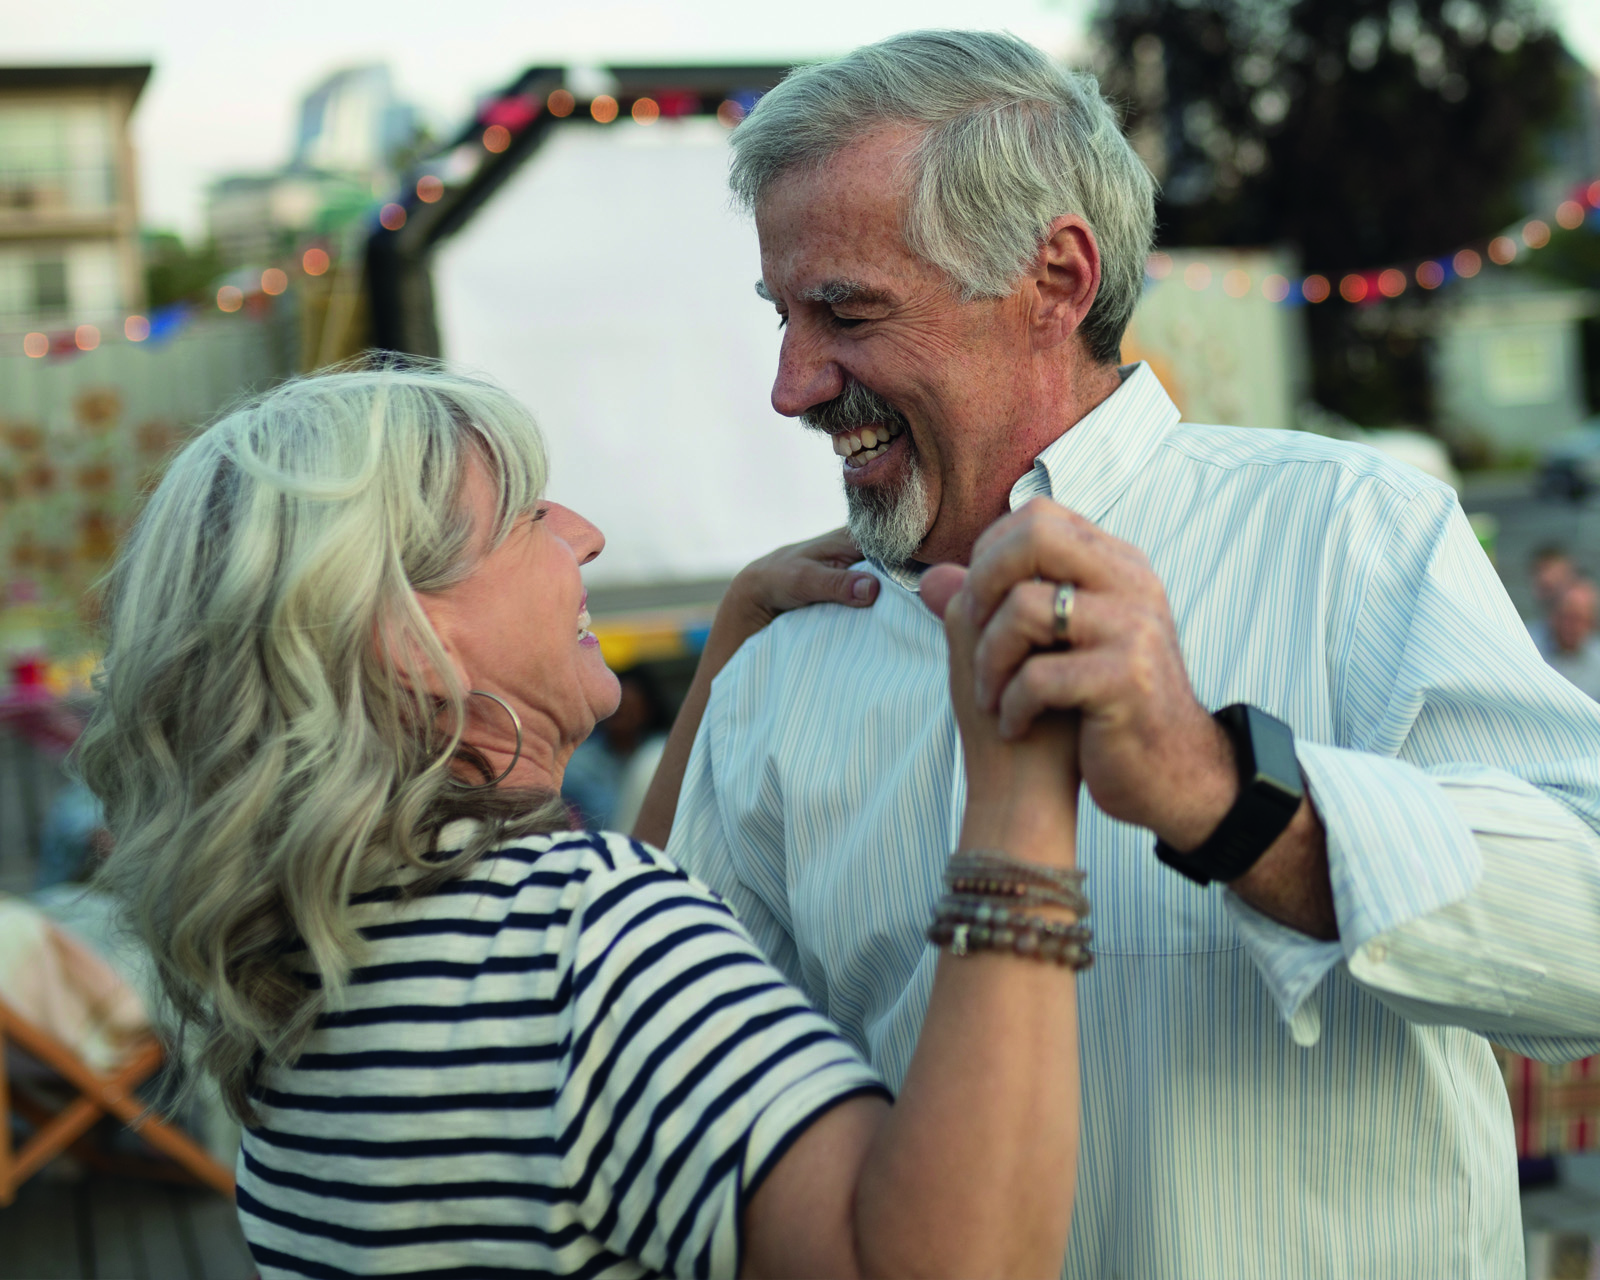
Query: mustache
[856, 406]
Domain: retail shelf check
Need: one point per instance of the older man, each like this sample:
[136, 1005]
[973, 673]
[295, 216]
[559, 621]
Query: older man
[1380, 853]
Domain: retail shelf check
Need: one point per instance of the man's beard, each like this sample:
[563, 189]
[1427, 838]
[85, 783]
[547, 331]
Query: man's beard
[888, 522]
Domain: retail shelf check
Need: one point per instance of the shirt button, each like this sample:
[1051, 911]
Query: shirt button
[1377, 953]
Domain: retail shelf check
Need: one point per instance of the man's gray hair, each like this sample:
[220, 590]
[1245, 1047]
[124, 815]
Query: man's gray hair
[1011, 141]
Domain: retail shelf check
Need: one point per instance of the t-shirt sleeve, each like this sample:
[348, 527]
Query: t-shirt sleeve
[693, 1065]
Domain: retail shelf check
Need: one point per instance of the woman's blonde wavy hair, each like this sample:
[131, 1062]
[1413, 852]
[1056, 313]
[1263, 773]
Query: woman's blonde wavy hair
[258, 752]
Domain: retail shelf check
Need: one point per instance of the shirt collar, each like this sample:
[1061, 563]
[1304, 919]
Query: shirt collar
[1088, 466]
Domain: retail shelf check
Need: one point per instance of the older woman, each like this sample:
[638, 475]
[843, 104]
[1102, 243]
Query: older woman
[349, 656]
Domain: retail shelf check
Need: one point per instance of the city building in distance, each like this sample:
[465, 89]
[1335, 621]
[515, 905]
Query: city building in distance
[69, 209]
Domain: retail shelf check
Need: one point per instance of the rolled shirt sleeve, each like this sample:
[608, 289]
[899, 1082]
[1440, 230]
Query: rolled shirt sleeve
[1466, 894]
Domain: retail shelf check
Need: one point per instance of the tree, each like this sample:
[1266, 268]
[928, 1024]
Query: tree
[1367, 133]
[173, 272]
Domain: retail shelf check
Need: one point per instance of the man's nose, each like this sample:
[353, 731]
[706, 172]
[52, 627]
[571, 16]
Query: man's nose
[807, 374]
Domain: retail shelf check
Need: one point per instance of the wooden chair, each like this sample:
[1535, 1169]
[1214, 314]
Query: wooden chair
[94, 1094]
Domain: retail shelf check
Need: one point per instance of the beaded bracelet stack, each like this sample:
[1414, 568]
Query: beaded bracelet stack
[978, 911]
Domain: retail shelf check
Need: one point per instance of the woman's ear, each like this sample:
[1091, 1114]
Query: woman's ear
[1065, 281]
[410, 660]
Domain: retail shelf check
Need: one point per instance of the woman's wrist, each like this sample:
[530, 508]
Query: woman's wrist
[1043, 833]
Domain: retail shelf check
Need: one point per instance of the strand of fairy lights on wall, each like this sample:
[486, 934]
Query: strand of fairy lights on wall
[1370, 286]
[504, 117]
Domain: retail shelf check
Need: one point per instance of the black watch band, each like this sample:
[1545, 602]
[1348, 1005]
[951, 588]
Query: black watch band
[1270, 792]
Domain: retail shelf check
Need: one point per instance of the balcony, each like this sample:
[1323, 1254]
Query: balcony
[57, 201]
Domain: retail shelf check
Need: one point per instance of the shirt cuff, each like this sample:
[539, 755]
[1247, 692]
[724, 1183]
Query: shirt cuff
[1397, 850]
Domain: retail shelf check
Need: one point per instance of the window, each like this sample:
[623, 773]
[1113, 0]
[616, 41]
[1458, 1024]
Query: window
[56, 158]
[49, 286]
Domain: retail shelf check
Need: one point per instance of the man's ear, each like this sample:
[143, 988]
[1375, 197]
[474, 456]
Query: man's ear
[1065, 281]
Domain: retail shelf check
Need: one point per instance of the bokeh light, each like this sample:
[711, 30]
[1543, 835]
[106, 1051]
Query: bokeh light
[36, 346]
[274, 281]
[135, 328]
[561, 103]
[646, 111]
[1275, 288]
[1315, 288]
[1158, 266]
[393, 216]
[1593, 194]
[1467, 263]
[314, 261]
[229, 298]
[1236, 283]
[1569, 215]
[1430, 275]
[1502, 250]
[604, 109]
[1392, 282]
[429, 188]
[730, 112]
[1536, 234]
[496, 138]
[1353, 288]
[86, 337]
[1197, 275]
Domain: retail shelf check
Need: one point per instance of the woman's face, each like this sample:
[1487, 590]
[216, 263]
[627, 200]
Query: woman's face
[517, 626]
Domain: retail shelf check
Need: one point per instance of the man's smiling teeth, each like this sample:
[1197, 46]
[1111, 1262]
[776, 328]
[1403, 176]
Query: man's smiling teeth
[583, 622]
[858, 448]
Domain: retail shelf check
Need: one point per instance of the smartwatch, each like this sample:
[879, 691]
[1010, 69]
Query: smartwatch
[1270, 792]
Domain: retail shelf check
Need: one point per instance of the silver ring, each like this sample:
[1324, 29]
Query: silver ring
[1066, 594]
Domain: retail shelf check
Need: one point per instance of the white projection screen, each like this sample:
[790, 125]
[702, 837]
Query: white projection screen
[609, 284]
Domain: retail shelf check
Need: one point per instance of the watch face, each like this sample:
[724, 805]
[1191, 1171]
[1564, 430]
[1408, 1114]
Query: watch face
[1276, 769]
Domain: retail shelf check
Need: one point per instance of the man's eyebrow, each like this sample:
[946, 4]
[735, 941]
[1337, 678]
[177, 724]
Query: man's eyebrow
[836, 293]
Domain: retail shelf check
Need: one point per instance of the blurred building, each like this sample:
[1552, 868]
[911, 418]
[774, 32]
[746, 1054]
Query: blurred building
[1213, 328]
[254, 218]
[352, 123]
[1508, 363]
[351, 130]
[69, 212]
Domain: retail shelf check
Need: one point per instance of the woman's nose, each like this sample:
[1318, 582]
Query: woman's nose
[584, 538]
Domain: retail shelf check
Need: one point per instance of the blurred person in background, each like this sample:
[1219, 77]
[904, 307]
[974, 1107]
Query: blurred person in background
[601, 777]
[1572, 648]
[348, 660]
[1340, 817]
[1551, 572]
[74, 836]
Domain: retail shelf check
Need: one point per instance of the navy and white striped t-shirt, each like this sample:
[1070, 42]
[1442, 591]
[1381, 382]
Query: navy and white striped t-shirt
[570, 1061]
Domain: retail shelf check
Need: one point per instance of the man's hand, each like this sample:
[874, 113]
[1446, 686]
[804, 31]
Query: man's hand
[1150, 753]
[1022, 790]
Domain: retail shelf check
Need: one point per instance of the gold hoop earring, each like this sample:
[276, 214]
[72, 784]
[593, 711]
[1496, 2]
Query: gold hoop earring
[516, 724]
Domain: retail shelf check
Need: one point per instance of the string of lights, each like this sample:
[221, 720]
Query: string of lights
[502, 119]
[1365, 287]
[497, 125]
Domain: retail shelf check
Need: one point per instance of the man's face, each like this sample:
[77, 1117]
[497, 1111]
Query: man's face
[1552, 575]
[1572, 622]
[875, 340]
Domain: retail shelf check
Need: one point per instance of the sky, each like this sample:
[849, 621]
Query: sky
[228, 77]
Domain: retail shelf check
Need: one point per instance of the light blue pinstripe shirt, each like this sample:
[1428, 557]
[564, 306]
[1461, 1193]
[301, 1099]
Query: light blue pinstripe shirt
[1256, 1103]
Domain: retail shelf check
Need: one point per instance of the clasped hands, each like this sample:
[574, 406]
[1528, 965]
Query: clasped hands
[1149, 753]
